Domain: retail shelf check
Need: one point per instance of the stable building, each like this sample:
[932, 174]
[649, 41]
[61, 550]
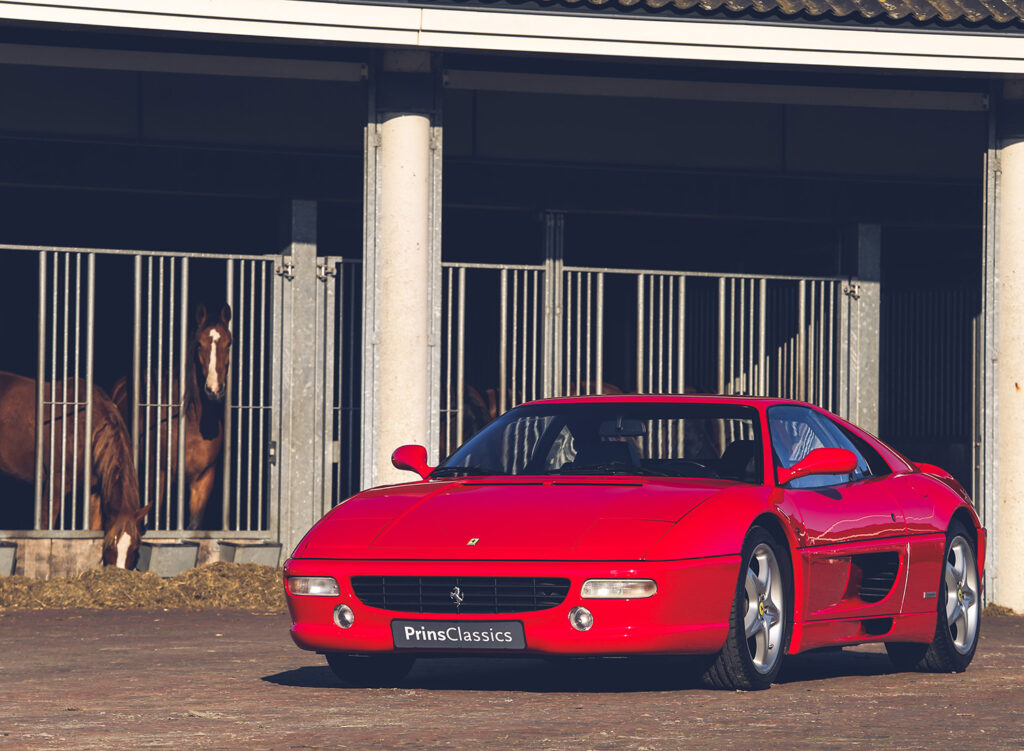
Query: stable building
[422, 214]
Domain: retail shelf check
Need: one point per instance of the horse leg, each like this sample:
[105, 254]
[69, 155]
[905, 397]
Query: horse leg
[199, 494]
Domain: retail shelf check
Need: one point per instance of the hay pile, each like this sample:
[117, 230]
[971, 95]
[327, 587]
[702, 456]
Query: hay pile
[218, 586]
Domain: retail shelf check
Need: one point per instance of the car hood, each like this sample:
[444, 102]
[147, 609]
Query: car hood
[520, 519]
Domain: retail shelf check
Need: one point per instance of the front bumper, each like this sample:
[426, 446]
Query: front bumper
[688, 615]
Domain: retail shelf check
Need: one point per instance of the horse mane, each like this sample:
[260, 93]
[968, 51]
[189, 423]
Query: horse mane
[112, 459]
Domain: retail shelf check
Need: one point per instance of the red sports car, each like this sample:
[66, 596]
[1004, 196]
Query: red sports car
[743, 529]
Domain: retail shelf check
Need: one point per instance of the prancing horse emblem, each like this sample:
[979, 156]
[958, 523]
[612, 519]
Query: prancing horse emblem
[457, 597]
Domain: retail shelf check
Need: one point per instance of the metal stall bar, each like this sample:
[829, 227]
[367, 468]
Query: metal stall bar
[66, 325]
[503, 349]
[229, 398]
[90, 328]
[460, 392]
[762, 338]
[169, 401]
[50, 516]
[599, 345]
[40, 379]
[321, 429]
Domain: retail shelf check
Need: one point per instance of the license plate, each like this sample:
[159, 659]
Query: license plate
[458, 635]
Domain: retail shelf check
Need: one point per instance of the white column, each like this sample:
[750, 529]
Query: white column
[404, 308]
[1007, 576]
[401, 264]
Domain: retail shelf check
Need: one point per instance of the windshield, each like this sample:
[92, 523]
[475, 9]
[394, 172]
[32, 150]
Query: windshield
[653, 438]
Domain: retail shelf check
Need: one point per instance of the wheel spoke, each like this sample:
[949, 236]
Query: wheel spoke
[764, 574]
[952, 582]
[752, 587]
[957, 612]
[751, 623]
[958, 568]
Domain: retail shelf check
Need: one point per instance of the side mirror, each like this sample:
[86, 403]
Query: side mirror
[820, 462]
[412, 458]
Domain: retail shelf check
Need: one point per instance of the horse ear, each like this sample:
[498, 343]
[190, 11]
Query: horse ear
[200, 315]
[225, 314]
[141, 513]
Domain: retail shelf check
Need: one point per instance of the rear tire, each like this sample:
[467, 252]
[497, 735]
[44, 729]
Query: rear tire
[958, 620]
[370, 671]
[759, 621]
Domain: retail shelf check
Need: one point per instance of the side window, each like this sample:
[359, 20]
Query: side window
[877, 466]
[797, 431]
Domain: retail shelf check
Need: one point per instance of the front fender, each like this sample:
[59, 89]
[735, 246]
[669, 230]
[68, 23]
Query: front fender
[719, 525]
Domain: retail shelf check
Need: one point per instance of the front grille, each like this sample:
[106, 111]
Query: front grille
[481, 594]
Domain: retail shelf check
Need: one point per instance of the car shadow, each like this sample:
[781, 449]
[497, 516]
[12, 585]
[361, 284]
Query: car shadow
[639, 675]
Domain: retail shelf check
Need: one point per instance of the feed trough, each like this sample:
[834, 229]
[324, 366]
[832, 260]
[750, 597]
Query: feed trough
[167, 558]
[254, 551]
[7, 555]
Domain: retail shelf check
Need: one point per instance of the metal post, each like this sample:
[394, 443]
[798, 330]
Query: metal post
[183, 353]
[227, 447]
[90, 328]
[639, 333]
[136, 357]
[503, 341]
[40, 397]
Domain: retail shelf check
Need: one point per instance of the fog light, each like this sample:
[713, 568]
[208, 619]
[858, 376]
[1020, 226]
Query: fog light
[344, 617]
[581, 618]
[618, 589]
[313, 586]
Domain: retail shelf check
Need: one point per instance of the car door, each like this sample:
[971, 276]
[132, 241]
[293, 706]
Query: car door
[852, 529]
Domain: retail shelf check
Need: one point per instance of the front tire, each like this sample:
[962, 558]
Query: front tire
[370, 671]
[958, 620]
[759, 622]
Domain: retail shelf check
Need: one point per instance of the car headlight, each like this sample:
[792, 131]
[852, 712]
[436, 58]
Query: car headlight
[618, 589]
[313, 586]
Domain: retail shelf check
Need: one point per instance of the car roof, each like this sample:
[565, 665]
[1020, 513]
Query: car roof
[761, 402]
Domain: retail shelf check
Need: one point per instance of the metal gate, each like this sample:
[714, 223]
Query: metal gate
[514, 333]
[105, 316]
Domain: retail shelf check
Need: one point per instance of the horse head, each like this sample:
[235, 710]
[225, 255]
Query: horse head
[213, 351]
[122, 536]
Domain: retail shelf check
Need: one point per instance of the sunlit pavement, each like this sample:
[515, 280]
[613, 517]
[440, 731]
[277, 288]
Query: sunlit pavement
[144, 679]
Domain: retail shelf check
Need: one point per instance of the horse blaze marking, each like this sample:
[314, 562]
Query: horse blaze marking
[123, 543]
[211, 377]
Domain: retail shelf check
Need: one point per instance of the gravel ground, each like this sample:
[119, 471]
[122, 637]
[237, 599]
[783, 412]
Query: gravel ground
[95, 679]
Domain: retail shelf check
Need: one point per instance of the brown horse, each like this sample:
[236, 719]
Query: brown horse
[114, 495]
[206, 373]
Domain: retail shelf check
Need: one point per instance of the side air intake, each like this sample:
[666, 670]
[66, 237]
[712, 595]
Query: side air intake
[878, 574]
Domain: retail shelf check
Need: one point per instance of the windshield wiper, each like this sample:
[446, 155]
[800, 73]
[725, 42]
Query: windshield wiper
[471, 470]
[610, 468]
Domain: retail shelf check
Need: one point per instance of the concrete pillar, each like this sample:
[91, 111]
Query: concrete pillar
[300, 463]
[401, 264]
[860, 337]
[868, 325]
[1006, 529]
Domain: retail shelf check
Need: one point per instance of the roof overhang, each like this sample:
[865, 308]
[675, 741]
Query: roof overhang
[561, 33]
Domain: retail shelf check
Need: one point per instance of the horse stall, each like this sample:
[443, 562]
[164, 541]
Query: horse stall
[512, 333]
[150, 395]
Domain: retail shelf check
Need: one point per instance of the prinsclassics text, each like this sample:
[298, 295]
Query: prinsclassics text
[456, 633]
